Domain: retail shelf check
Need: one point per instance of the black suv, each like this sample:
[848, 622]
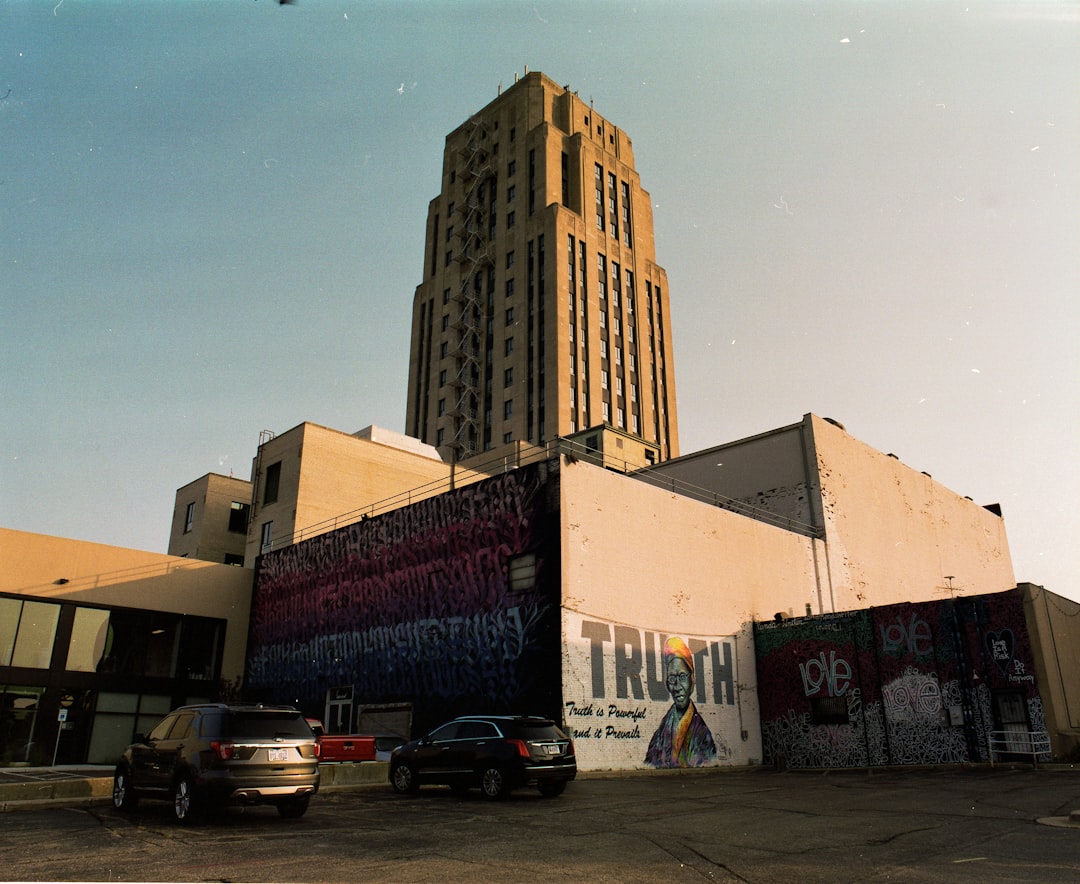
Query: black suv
[205, 756]
[495, 752]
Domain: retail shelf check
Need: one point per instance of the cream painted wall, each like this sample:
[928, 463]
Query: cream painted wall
[895, 534]
[30, 565]
[642, 564]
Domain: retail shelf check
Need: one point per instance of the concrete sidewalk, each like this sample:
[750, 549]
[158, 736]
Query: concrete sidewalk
[32, 788]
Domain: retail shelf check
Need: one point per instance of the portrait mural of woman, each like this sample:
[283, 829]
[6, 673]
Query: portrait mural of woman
[682, 739]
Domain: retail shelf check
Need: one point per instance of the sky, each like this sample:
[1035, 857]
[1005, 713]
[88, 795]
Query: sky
[212, 219]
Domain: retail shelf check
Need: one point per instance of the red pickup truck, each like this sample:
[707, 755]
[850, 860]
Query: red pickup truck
[341, 747]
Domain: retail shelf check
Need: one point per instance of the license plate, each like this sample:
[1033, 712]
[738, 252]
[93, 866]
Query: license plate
[551, 750]
[278, 754]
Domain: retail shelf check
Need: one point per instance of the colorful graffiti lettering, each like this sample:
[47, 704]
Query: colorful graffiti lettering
[913, 637]
[914, 696]
[414, 605]
[832, 675]
[921, 681]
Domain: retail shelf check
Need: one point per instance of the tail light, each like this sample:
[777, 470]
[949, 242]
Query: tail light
[523, 750]
[570, 748]
[223, 749]
[318, 748]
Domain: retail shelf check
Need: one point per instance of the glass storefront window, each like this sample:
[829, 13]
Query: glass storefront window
[162, 645]
[89, 634]
[34, 638]
[9, 626]
[201, 655]
[18, 714]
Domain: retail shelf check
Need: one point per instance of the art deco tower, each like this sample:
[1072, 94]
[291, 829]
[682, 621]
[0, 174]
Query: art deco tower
[542, 311]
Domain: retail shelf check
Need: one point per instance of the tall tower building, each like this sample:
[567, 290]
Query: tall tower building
[542, 310]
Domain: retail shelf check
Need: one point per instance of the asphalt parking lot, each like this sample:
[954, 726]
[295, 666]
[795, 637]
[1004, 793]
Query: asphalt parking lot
[937, 825]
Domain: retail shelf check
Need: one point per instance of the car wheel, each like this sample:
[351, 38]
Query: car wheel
[404, 779]
[185, 806]
[123, 798]
[294, 807]
[552, 788]
[493, 783]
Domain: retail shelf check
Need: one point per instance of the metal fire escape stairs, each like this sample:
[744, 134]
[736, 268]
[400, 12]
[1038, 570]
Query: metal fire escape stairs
[474, 254]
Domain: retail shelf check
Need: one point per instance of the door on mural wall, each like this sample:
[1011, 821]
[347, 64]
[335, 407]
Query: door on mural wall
[339, 709]
[1010, 710]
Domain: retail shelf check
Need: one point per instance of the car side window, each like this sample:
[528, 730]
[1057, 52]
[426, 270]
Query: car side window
[476, 730]
[161, 731]
[182, 727]
[446, 732]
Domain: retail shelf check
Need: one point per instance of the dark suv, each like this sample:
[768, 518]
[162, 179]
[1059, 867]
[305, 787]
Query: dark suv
[204, 756]
[495, 752]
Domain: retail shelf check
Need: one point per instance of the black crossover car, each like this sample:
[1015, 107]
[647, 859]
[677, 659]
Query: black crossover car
[495, 752]
[205, 756]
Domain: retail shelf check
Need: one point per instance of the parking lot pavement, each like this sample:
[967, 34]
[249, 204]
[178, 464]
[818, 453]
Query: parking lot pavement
[943, 825]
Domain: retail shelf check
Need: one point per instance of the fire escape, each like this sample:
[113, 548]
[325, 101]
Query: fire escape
[474, 254]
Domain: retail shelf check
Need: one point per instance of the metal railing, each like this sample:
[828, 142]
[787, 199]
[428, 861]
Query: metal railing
[1033, 743]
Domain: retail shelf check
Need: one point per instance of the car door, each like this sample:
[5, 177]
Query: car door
[169, 752]
[475, 744]
[145, 767]
[433, 755]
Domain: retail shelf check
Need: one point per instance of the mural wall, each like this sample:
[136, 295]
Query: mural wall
[450, 604]
[636, 698]
[903, 684]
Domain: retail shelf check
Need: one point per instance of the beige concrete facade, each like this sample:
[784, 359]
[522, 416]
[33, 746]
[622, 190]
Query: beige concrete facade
[542, 309]
[41, 567]
[891, 533]
[1053, 624]
[210, 519]
[312, 479]
[640, 564]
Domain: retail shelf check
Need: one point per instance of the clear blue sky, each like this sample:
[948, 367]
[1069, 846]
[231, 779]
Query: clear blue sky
[212, 217]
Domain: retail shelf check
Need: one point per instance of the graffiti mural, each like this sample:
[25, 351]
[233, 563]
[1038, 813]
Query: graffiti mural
[902, 684]
[450, 603]
[640, 698]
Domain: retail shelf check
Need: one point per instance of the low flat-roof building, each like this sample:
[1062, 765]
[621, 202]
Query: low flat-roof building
[566, 589]
[110, 639]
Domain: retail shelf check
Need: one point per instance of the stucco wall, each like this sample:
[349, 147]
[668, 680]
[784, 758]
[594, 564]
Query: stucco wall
[895, 534]
[97, 574]
[640, 565]
[210, 538]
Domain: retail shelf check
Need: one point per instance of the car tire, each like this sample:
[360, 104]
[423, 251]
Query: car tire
[294, 808]
[404, 779]
[185, 805]
[493, 784]
[552, 788]
[123, 797]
